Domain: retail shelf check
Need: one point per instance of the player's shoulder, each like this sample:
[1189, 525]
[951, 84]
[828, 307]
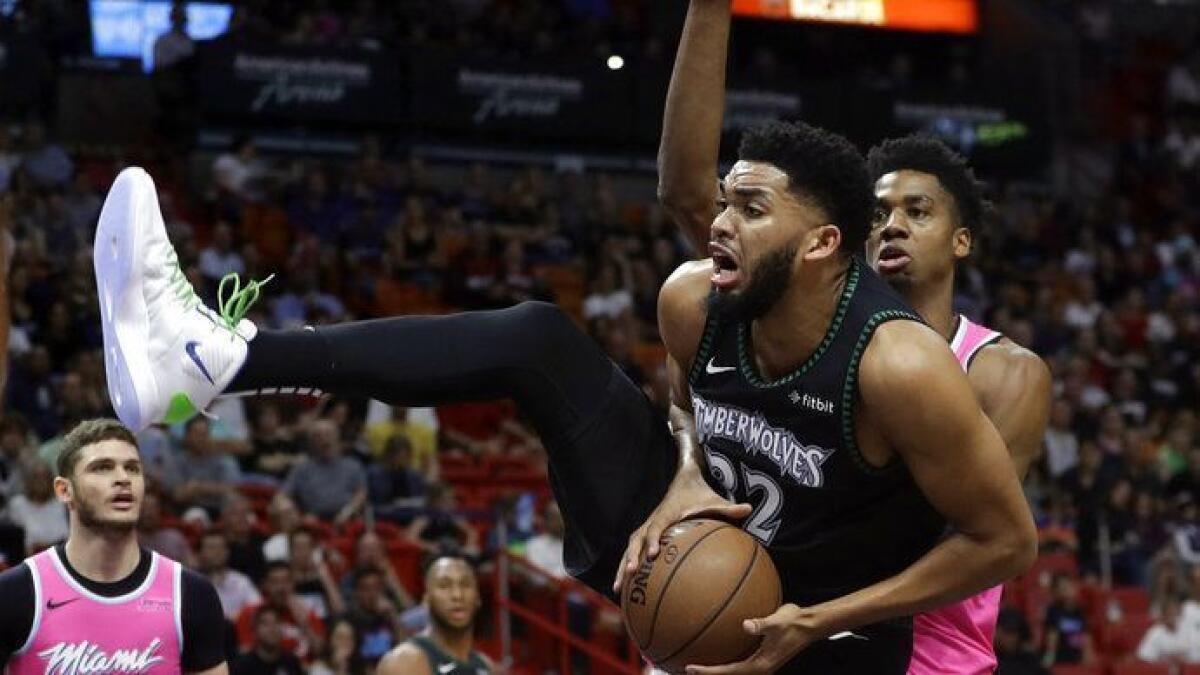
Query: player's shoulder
[1005, 360]
[683, 306]
[406, 658]
[903, 360]
[905, 347]
[692, 279]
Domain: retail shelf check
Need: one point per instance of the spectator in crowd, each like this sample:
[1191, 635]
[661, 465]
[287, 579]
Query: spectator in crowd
[1061, 443]
[370, 554]
[36, 510]
[238, 175]
[285, 519]
[441, 526]
[327, 484]
[46, 163]
[160, 459]
[245, 544]
[303, 632]
[175, 45]
[160, 537]
[422, 437]
[268, 651]
[234, 588]
[311, 576]
[1065, 628]
[1187, 483]
[341, 653]
[275, 448]
[545, 549]
[207, 476]
[375, 618]
[1013, 654]
[397, 489]
[1170, 640]
[220, 257]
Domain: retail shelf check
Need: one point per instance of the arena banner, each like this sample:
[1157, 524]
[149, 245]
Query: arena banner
[935, 16]
[995, 135]
[302, 84]
[508, 100]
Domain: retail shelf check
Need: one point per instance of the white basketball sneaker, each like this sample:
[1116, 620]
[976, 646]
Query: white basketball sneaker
[166, 354]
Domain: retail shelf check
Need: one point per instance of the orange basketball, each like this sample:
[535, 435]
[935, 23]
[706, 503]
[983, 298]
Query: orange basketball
[686, 607]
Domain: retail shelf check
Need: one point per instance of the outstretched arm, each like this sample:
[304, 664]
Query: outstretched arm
[691, 134]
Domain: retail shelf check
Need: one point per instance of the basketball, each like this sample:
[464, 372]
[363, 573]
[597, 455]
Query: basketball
[687, 605]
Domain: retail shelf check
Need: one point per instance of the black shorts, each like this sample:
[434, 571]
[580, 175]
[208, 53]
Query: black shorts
[609, 476]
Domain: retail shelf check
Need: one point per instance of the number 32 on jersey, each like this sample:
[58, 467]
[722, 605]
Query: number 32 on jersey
[764, 520]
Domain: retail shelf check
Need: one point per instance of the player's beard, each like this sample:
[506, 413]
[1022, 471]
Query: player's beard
[768, 282]
[90, 519]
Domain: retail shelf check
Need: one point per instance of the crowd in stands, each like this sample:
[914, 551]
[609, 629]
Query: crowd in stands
[308, 515]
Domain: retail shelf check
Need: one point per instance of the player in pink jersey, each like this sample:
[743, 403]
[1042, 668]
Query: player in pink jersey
[99, 603]
[928, 204]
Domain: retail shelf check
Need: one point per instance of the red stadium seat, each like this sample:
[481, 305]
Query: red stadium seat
[1131, 599]
[1077, 670]
[1122, 638]
[1139, 668]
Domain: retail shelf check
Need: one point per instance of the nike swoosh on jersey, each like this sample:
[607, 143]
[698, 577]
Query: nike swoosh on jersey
[713, 370]
[50, 604]
[190, 348]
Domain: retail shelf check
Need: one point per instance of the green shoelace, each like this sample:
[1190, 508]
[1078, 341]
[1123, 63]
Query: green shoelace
[232, 306]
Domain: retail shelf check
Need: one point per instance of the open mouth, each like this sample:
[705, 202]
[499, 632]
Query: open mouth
[123, 502]
[893, 259]
[726, 270]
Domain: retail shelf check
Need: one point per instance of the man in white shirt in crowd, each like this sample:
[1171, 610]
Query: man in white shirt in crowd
[234, 588]
[36, 510]
[545, 550]
[1170, 639]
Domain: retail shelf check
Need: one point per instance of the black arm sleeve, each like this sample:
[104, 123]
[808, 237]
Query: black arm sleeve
[16, 597]
[203, 624]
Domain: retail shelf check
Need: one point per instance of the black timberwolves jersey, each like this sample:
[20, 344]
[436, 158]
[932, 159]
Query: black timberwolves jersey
[442, 663]
[832, 522]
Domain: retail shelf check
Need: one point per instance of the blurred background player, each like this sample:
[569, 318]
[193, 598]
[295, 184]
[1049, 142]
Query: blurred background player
[929, 203]
[447, 646]
[99, 601]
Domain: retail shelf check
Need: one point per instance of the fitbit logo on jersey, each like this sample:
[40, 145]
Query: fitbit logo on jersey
[756, 436]
[85, 658]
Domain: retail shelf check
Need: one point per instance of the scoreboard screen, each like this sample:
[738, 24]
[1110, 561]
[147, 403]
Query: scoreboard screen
[931, 16]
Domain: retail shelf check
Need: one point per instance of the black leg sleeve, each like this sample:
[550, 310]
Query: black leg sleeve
[610, 454]
[531, 353]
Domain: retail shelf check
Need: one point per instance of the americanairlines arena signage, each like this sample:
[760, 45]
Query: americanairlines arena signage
[306, 84]
[493, 99]
[517, 95]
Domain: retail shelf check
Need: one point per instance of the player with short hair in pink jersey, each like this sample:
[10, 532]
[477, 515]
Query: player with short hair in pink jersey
[99, 603]
[928, 204]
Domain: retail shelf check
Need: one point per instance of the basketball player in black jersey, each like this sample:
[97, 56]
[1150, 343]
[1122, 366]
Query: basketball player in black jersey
[927, 204]
[446, 647]
[874, 435]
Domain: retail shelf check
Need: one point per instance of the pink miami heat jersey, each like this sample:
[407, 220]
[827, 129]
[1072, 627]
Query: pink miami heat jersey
[76, 632]
[957, 639]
